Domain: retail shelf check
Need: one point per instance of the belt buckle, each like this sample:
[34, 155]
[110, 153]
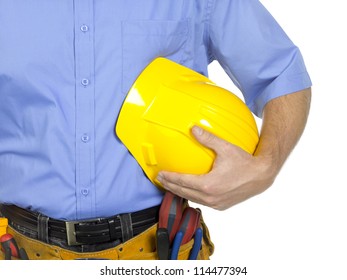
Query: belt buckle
[71, 233]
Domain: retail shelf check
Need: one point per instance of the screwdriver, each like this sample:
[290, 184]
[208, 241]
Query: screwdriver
[8, 244]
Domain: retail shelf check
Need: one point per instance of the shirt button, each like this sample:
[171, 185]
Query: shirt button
[85, 82]
[85, 192]
[84, 28]
[85, 138]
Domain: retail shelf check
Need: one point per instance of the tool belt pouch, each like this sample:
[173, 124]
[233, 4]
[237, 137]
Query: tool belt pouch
[141, 247]
[207, 244]
[135, 249]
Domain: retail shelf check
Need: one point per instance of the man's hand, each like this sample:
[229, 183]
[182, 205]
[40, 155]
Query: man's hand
[237, 175]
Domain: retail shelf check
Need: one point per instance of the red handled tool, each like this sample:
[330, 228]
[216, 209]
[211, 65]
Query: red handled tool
[9, 246]
[189, 224]
[170, 214]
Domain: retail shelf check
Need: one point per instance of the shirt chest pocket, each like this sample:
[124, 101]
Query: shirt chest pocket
[142, 41]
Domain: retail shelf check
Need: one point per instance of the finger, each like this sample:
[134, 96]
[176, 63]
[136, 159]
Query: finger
[209, 140]
[189, 181]
[194, 195]
[189, 194]
[224, 149]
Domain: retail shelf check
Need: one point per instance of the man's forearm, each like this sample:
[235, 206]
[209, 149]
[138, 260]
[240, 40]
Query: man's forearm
[284, 121]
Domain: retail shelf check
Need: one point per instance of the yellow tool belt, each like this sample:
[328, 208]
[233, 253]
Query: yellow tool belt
[141, 247]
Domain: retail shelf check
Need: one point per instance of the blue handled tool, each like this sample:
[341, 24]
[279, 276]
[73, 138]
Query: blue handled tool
[197, 244]
[176, 245]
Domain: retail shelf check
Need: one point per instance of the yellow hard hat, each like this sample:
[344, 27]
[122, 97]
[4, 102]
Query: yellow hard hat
[162, 106]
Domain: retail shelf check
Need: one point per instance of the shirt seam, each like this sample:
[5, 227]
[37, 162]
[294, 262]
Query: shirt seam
[207, 20]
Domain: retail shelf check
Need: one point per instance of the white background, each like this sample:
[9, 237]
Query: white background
[297, 229]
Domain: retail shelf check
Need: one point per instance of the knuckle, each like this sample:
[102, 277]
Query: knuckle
[210, 201]
[225, 147]
[209, 137]
[204, 188]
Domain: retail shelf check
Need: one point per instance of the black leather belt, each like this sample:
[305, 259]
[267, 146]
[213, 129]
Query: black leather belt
[81, 232]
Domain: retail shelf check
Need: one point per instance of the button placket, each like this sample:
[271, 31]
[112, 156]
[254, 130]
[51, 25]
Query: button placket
[85, 103]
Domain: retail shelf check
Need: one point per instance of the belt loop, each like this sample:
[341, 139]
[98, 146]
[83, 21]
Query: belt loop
[112, 229]
[126, 226]
[42, 228]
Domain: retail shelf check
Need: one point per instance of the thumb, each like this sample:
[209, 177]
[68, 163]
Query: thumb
[208, 139]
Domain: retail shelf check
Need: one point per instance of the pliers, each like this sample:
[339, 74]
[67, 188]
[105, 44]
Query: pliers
[189, 226]
[170, 215]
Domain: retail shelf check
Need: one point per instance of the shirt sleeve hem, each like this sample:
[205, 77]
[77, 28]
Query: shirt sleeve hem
[280, 87]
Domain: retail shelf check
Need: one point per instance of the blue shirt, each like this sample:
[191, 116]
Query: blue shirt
[66, 67]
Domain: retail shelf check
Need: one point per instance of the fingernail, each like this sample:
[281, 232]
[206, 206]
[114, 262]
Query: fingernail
[197, 130]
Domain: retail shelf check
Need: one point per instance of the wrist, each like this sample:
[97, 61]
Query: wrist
[267, 169]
